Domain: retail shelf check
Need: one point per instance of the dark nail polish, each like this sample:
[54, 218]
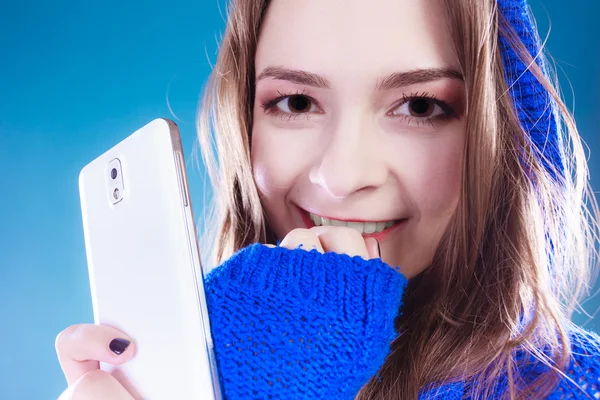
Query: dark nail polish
[118, 346]
[378, 248]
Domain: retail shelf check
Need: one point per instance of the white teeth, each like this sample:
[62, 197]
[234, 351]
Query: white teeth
[316, 219]
[359, 226]
[362, 227]
[335, 222]
[369, 227]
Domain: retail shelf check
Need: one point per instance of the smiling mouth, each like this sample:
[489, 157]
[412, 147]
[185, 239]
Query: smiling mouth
[376, 229]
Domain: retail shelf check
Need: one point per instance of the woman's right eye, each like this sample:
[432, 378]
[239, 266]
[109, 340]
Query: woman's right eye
[292, 104]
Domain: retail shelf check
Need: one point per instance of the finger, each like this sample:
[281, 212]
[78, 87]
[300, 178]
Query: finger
[80, 347]
[341, 239]
[98, 385]
[373, 248]
[302, 237]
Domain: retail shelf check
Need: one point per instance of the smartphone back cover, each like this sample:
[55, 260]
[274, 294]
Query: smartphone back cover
[145, 278]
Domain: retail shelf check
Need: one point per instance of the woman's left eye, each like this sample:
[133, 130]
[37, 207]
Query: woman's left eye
[423, 108]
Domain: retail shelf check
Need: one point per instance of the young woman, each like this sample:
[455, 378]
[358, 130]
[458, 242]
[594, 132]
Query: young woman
[373, 153]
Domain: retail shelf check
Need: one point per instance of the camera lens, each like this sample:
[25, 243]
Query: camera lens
[113, 173]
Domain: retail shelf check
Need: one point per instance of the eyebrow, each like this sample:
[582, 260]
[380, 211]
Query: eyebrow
[401, 79]
[392, 81]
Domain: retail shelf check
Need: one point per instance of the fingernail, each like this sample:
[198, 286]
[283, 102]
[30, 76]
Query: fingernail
[118, 346]
[378, 248]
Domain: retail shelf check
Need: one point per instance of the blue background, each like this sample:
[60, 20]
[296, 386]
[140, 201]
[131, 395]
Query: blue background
[77, 77]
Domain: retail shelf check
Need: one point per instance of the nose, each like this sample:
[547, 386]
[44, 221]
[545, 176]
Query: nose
[351, 159]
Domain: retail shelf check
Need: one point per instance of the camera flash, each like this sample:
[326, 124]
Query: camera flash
[116, 194]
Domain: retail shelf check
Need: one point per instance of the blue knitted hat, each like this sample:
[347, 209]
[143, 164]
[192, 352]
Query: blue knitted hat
[533, 103]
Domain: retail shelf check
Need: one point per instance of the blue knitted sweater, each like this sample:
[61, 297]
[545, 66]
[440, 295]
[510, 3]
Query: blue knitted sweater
[294, 324]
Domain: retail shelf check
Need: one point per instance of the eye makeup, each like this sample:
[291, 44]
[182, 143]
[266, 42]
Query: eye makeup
[419, 108]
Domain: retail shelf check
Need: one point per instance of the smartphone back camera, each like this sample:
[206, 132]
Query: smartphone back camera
[114, 183]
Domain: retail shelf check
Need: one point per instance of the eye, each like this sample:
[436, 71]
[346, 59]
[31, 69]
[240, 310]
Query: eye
[296, 104]
[420, 108]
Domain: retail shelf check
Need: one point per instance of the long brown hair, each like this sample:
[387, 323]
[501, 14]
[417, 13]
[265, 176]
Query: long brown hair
[516, 256]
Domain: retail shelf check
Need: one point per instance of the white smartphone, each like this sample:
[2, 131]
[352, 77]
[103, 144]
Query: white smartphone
[144, 265]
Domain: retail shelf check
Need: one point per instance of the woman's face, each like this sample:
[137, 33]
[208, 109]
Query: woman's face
[359, 116]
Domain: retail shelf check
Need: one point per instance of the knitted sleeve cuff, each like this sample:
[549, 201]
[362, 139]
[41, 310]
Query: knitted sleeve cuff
[355, 286]
[301, 324]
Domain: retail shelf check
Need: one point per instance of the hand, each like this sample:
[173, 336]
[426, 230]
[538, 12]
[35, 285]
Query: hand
[80, 348]
[338, 239]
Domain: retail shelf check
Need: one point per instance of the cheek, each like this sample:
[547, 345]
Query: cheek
[264, 166]
[434, 178]
[441, 185]
[276, 159]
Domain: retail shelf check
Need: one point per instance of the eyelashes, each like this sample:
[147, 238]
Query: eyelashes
[271, 106]
[419, 108]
